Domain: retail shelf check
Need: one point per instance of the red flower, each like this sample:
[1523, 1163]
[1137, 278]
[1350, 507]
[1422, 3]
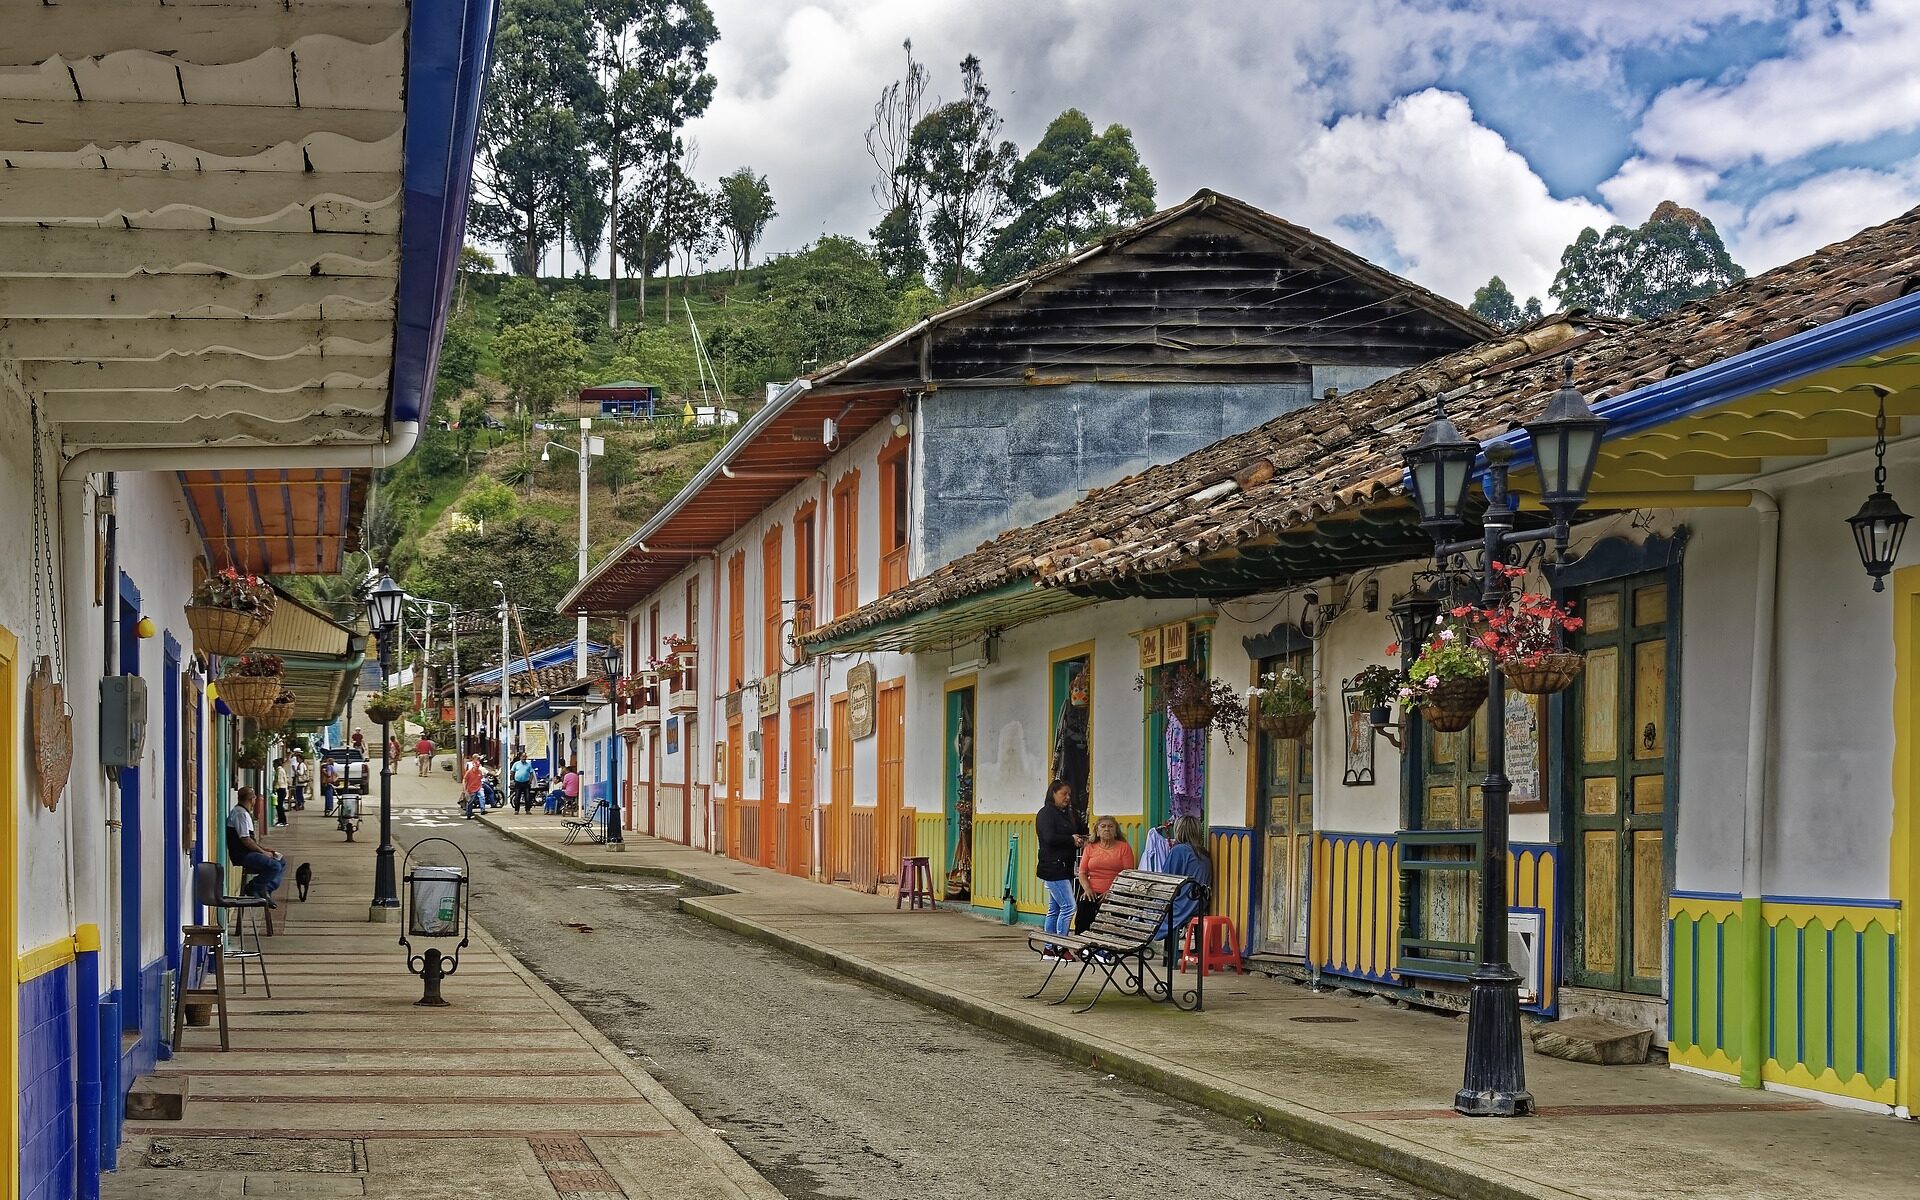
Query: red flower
[1393, 647]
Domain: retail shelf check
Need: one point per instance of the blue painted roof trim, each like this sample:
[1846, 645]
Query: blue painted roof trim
[449, 43]
[552, 656]
[1855, 336]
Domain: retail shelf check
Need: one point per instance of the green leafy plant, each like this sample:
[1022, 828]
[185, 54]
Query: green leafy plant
[1377, 684]
[1453, 652]
[1282, 693]
[236, 590]
[251, 753]
[260, 666]
[1196, 701]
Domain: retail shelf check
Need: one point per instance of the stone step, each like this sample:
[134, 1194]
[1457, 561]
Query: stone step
[1593, 1040]
[157, 1098]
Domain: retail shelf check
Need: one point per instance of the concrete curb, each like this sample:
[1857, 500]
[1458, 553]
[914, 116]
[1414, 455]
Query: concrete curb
[1438, 1170]
[731, 1165]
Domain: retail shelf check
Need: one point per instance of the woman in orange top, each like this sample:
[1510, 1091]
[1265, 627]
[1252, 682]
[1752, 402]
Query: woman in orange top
[1105, 857]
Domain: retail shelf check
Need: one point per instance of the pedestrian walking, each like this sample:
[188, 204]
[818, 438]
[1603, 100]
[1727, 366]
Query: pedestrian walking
[1060, 836]
[301, 779]
[471, 781]
[393, 751]
[520, 783]
[1104, 857]
[329, 781]
[282, 780]
[423, 751]
[360, 742]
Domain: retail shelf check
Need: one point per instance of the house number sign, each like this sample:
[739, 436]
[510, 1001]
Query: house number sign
[860, 699]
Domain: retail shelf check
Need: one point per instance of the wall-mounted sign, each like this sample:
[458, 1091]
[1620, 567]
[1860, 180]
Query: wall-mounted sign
[770, 696]
[1149, 648]
[534, 734]
[733, 705]
[860, 699]
[720, 764]
[673, 735]
[1173, 643]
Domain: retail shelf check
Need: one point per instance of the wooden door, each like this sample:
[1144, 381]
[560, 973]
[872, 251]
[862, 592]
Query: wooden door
[1444, 900]
[1285, 797]
[772, 818]
[959, 791]
[840, 824]
[653, 784]
[730, 815]
[890, 723]
[1620, 717]
[800, 788]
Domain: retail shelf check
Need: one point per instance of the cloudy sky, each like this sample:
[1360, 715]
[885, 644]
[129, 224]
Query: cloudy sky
[1447, 139]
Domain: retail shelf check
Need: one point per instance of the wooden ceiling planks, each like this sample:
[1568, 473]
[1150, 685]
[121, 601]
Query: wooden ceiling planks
[287, 522]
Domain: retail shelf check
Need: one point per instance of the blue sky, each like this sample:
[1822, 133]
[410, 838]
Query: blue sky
[1448, 139]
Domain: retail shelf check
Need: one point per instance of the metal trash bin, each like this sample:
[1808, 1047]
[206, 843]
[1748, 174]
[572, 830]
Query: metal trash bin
[438, 895]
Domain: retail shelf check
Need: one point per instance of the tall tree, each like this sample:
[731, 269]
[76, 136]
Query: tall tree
[651, 56]
[585, 220]
[963, 169]
[746, 205]
[531, 143]
[532, 551]
[1676, 257]
[1075, 187]
[1494, 303]
[896, 192]
[826, 302]
[540, 363]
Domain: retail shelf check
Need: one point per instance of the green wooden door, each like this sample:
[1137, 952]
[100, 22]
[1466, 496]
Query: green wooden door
[1452, 781]
[1620, 725]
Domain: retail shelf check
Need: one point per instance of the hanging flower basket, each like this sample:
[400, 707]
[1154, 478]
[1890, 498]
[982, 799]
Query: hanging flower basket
[385, 708]
[224, 631]
[1545, 674]
[251, 753]
[1450, 705]
[1290, 727]
[281, 713]
[250, 695]
[1192, 714]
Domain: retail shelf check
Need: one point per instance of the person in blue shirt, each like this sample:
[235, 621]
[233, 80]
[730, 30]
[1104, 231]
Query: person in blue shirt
[1188, 856]
[522, 779]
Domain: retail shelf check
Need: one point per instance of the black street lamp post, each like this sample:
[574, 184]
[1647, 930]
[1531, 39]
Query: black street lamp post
[610, 663]
[1566, 442]
[383, 614]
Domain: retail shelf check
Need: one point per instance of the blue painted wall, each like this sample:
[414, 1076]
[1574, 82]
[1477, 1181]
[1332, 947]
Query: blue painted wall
[996, 458]
[49, 1139]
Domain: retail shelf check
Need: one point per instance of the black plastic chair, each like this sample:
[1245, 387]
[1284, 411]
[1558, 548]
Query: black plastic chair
[246, 909]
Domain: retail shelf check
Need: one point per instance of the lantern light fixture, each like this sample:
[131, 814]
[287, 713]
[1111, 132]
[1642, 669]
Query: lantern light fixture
[1879, 526]
[1441, 466]
[383, 604]
[1566, 446]
[609, 657]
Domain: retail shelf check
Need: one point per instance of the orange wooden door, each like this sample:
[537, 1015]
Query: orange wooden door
[730, 818]
[770, 814]
[800, 789]
[890, 722]
[840, 812]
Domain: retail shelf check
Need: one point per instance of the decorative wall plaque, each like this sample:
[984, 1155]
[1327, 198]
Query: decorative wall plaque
[860, 680]
[770, 696]
[52, 732]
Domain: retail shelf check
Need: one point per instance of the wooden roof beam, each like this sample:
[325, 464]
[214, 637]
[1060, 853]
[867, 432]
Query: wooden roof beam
[32, 339]
[52, 376]
[304, 404]
[308, 297]
[32, 251]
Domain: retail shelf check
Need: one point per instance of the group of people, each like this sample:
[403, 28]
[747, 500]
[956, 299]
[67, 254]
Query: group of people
[1078, 865]
[521, 782]
[291, 780]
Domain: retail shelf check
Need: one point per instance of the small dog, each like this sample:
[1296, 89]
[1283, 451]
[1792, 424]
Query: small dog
[303, 879]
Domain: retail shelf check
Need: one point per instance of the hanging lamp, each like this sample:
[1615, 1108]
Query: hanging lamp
[1879, 526]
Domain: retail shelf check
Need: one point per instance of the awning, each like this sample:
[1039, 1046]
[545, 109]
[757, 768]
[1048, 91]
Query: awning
[322, 659]
[958, 622]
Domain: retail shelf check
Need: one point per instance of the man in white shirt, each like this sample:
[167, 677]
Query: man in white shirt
[247, 851]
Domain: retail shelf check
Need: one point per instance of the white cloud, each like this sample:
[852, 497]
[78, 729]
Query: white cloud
[1785, 224]
[1642, 183]
[1457, 203]
[1847, 76]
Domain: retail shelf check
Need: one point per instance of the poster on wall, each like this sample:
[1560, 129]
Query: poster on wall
[1359, 735]
[534, 735]
[673, 735]
[720, 763]
[1523, 751]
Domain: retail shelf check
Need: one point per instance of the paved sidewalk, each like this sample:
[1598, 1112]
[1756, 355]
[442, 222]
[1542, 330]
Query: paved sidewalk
[339, 1086]
[1358, 1077]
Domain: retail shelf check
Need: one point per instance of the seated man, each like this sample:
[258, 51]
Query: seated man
[247, 851]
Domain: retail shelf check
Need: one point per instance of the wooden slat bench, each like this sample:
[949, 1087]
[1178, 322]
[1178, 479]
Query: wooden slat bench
[594, 824]
[1125, 940]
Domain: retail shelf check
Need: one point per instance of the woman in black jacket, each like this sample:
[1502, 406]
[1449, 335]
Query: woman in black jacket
[1061, 834]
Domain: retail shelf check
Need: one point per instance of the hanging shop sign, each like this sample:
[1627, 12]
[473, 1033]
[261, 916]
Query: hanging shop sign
[860, 680]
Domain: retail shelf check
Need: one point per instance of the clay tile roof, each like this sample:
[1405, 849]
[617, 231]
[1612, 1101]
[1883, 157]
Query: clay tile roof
[1344, 453]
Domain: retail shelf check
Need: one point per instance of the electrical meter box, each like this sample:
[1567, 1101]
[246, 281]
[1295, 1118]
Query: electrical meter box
[123, 720]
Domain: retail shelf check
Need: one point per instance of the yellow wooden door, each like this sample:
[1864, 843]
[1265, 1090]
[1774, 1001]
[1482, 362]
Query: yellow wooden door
[1285, 800]
[840, 820]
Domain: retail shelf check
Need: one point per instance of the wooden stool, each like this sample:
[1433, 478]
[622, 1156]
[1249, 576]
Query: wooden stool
[209, 938]
[916, 882]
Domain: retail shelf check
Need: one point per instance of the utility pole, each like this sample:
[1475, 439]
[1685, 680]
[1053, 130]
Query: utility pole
[506, 689]
[589, 448]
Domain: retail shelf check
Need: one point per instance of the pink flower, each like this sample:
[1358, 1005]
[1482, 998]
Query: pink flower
[1433, 681]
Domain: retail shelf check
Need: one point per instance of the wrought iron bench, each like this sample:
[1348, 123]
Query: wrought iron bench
[1134, 928]
[594, 824]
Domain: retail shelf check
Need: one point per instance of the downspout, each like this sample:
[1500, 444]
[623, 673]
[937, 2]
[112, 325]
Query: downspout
[822, 706]
[1753, 838]
[712, 660]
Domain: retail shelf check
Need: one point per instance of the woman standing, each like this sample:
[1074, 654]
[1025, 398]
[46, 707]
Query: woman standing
[1105, 857]
[1061, 835]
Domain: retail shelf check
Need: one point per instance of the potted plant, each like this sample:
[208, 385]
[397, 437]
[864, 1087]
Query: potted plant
[1447, 682]
[228, 610]
[387, 707]
[251, 684]
[281, 713]
[1196, 701]
[1379, 686]
[1524, 637]
[682, 650]
[251, 753]
[1283, 703]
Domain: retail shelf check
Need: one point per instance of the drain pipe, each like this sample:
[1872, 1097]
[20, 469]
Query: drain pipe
[402, 436]
[1753, 837]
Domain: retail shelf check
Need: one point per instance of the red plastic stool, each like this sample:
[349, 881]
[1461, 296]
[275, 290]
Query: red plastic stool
[1219, 947]
[916, 882]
